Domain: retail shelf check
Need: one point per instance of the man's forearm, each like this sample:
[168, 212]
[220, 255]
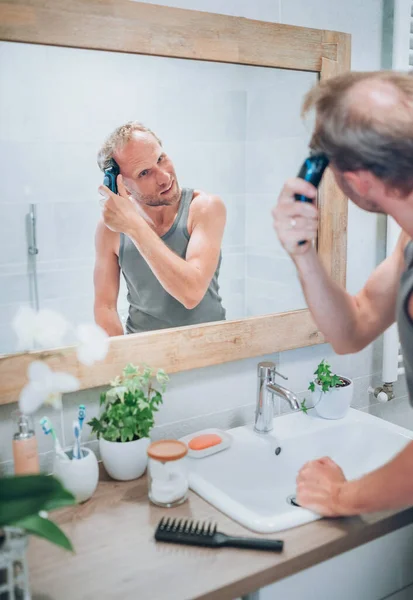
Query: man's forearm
[332, 308]
[180, 279]
[109, 320]
[389, 487]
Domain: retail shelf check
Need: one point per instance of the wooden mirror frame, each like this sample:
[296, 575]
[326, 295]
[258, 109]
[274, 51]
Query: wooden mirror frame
[134, 27]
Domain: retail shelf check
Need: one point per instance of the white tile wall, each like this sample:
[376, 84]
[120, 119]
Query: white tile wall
[277, 143]
[234, 234]
[188, 119]
[232, 266]
[275, 97]
[14, 289]
[265, 268]
[8, 340]
[270, 161]
[263, 297]
[218, 167]
[259, 232]
[13, 220]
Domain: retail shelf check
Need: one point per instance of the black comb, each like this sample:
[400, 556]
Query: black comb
[194, 533]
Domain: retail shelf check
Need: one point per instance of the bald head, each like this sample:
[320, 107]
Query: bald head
[380, 100]
[119, 138]
[138, 142]
[373, 94]
[364, 121]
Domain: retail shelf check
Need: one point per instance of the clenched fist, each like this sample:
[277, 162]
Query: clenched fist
[296, 221]
[319, 484]
[118, 212]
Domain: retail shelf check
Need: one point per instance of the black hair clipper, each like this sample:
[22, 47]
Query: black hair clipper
[110, 176]
[312, 171]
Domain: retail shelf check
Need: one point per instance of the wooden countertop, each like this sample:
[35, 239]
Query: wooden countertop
[117, 557]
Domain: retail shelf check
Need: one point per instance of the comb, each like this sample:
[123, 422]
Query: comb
[195, 533]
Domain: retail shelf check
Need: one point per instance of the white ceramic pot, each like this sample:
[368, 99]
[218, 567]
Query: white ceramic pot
[335, 403]
[79, 476]
[124, 460]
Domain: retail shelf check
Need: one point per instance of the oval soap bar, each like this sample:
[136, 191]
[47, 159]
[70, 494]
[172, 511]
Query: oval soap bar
[206, 440]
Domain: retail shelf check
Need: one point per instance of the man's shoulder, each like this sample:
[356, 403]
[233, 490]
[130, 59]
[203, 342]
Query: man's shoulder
[206, 208]
[404, 239]
[402, 242]
[203, 201]
[106, 239]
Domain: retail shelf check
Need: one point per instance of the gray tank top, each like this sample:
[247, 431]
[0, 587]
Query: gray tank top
[150, 305]
[404, 322]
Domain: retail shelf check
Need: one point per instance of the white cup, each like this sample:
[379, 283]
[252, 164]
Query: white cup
[79, 476]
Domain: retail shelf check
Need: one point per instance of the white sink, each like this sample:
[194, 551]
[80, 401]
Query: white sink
[251, 483]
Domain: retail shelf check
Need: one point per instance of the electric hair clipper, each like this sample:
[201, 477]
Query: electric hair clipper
[312, 171]
[110, 176]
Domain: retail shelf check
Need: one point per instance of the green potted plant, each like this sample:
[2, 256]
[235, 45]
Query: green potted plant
[331, 394]
[126, 420]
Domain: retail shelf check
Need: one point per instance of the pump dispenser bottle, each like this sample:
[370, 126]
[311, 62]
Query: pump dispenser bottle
[25, 454]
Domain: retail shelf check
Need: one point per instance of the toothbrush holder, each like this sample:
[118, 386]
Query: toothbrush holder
[79, 476]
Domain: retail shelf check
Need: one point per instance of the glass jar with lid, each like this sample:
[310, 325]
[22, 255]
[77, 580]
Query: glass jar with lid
[167, 473]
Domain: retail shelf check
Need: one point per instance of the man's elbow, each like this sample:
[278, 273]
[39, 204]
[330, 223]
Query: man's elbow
[341, 349]
[191, 303]
[193, 299]
[342, 346]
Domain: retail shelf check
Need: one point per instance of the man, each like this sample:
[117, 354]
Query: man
[165, 240]
[364, 124]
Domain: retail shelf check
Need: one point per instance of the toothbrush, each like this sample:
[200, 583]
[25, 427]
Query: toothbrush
[82, 414]
[48, 428]
[81, 417]
[76, 445]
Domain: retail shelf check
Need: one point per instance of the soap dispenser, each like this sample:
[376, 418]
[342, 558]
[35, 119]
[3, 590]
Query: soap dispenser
[25, 454]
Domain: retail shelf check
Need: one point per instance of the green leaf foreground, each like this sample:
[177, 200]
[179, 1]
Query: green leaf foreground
[22, 497]
[46, 529]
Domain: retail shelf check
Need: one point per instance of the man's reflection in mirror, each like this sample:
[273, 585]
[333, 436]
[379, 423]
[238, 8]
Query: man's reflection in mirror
[166, 240]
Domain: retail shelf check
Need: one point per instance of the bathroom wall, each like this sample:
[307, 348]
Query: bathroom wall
[224, 395]
[276, 142]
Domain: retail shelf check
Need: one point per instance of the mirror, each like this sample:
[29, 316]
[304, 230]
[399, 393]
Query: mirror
[232, 131]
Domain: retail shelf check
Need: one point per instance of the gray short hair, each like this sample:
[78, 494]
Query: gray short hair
[357, 138]
[118, 138]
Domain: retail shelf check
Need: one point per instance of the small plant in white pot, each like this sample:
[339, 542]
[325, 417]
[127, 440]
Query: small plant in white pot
[331, 394]
[124, 426]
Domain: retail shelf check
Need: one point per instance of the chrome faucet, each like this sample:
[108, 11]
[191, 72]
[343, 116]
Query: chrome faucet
[267, 388]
